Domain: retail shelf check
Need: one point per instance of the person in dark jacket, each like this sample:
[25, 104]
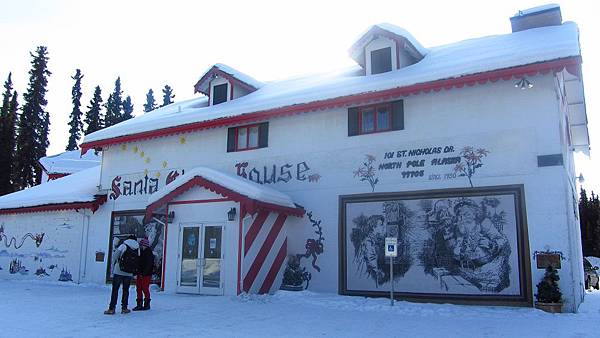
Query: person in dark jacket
[145, 274]
[121, 277]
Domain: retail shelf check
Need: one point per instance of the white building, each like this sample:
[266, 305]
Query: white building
[464, 152]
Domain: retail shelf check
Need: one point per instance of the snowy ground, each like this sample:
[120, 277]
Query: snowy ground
[65, 310]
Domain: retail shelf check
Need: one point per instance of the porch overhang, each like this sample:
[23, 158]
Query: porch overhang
[252, 197]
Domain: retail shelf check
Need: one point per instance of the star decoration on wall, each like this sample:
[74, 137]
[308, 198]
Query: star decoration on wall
[147, 160]
[135, 149]
[164, 164]
[142, 154]
[182, 140]
[158, 174]
[123, 146]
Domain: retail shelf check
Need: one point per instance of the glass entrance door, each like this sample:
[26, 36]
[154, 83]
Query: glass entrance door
[189, 259]
[212, 271]
[200, 259]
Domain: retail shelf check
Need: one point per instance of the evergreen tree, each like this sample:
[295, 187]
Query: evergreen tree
[150, 101]
[34, 124]
[114, 106]
[589, 222]
[127, 109]
[93, 118]
[168, 95]
[6, 139]
[75, 124]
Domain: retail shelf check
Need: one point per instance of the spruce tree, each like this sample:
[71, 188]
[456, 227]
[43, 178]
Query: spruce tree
[75, 124]
[6, 152]
[93, 118]
[127, 109]
[168, 95]
[114, 106]
[150, 101]
[34, 124]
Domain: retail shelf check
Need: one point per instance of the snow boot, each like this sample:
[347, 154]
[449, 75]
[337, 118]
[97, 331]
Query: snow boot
[109, 312]
[139, 306]
[125, 310]
[146, 304]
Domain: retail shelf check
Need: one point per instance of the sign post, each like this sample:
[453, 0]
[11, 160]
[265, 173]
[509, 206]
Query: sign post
[391, 251]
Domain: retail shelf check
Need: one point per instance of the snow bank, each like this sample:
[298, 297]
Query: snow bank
[78, 187]
[241, 186]
[29, 309]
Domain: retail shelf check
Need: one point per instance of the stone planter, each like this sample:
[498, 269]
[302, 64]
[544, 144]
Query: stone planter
[292, 287]
[549, 307]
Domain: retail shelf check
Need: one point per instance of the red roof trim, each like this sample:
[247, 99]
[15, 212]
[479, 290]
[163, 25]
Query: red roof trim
[356, 99]
[231, 78]
[93, 205]
[248, 204]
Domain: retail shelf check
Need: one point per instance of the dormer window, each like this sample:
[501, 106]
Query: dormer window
[381, 56]
[220, 93]
[222, 83]
[381, 60]
[385, 48]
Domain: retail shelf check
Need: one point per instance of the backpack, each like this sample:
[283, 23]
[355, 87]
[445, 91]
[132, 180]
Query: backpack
[129, 260]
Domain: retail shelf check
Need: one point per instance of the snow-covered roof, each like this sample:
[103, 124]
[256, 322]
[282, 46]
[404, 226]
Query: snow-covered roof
[202, 84]
[76, 188]
[537, 9]
[241, 186]
[452, 61]
[69, 162]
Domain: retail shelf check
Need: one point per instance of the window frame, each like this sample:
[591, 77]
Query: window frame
[212, 91]
[247, 127]
[383, 51]
[375, 107]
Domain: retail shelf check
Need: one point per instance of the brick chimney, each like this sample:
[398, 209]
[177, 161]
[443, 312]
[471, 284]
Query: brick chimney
[541, 16]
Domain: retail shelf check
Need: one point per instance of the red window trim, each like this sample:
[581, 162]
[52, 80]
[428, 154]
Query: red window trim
[237, 130]
[375, 129]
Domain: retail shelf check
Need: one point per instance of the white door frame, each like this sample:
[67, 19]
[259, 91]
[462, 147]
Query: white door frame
[198, 287]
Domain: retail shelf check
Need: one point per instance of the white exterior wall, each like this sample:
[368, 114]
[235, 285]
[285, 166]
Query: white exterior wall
[514, 125]
[67, 242]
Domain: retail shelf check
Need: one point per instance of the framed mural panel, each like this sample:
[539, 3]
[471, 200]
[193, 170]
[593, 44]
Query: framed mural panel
[125, 223]
[459, 245]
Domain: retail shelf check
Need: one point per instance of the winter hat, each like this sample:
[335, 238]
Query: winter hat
[144, 242]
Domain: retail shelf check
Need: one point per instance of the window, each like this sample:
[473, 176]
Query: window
[381, 60]
[376, 118]
[248, 137]
[219, 93]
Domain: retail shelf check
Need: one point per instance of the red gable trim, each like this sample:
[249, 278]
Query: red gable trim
[343, 101]
[248, 205]
[217, 71]
[56, 176]
[93, 205]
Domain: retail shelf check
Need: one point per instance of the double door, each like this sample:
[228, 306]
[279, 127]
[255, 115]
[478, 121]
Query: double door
[201, 259]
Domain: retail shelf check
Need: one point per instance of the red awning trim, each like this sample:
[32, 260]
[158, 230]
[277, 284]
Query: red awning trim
[93, 205]
[344, 101]
[247, 204]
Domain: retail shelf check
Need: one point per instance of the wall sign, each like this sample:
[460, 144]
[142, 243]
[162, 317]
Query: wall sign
[466, 243]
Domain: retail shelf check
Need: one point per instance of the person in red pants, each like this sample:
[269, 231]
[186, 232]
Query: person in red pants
[142, 283]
